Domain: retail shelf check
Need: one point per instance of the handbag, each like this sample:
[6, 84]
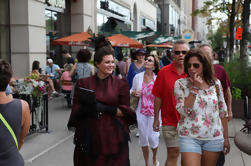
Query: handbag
[9, 128]
[134, 102]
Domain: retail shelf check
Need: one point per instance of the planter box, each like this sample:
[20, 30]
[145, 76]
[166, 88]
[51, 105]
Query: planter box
[238, 108]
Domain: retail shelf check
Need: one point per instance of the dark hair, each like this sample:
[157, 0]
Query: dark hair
[156, 63]
[102, 47]
[35, 65]
[5, 74]
[208, 70]
[133, 54]
[84, 55]
[101, 52]
[65, 52]
[120, 57]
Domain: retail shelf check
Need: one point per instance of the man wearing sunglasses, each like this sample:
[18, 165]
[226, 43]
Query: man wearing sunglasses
[221, 74]
[163, 91]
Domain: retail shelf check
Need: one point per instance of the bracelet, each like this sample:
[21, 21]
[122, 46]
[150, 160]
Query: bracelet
[226, 139]
[194, 90]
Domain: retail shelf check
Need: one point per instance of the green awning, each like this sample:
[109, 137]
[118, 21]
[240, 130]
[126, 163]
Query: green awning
[163, 39]
[138, 35]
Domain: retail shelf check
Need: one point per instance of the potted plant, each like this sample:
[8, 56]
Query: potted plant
[237, 103]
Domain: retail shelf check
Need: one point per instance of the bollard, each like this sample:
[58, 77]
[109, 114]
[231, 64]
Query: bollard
[246, 107]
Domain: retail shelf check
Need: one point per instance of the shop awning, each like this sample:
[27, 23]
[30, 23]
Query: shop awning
[138, 35]
[119, 40]
[160, 45]
[79, 39]
[162, 39]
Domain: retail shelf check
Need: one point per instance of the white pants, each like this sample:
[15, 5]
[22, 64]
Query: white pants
[147, 137]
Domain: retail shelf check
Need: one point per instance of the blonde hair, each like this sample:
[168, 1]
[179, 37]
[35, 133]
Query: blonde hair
[68, 67]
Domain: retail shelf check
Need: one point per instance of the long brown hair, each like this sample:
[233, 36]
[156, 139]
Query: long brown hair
[203, 57]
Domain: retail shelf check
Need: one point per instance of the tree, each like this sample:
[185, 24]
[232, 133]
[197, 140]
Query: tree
[216, 37]
[230, 9]
[245, 24]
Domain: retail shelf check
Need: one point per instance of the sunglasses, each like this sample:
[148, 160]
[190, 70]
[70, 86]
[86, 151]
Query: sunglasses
[195, 65]
[149, 60]
[178, 52]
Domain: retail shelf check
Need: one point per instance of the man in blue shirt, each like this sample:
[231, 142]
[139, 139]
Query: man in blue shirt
[54, 71]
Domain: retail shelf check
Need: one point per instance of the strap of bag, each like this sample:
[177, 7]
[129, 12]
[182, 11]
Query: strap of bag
[217, 91]
[9, 128]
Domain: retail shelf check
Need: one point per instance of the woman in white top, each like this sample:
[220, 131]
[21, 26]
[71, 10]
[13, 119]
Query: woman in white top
[142, 87]
[202, 129]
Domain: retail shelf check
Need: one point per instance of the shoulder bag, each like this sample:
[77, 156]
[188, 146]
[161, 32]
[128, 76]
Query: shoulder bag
[9, 128]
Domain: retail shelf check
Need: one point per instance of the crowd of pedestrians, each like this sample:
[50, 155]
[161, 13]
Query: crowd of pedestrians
[182, 93]
[184, 99]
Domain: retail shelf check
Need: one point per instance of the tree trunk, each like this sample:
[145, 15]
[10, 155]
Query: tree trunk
[231, 30]
[245, 33]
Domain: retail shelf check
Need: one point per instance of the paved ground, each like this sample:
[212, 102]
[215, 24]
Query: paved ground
[56, 148]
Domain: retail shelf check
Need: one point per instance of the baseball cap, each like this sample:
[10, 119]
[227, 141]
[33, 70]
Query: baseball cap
[142, 51]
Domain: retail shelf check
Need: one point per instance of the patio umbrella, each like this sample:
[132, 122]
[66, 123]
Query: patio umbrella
[78, 39]
[160, 45]
[120, 40]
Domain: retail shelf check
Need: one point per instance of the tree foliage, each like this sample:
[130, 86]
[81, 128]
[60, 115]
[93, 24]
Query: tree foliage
[216, 38]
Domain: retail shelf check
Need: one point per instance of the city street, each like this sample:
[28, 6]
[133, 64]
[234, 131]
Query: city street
[56, 148]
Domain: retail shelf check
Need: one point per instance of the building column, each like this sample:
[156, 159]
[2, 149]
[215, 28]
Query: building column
[83, 16]
[27, 35]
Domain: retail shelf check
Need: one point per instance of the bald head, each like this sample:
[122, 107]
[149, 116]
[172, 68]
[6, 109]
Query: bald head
[208, 49]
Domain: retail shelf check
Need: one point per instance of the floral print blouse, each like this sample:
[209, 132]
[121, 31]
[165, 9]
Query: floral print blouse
[203, 121]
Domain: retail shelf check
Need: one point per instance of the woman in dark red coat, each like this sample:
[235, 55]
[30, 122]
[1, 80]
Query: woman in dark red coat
[102, 134]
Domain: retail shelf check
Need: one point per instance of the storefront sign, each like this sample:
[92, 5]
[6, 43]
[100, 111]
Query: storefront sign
[188, 35]
[56, 3]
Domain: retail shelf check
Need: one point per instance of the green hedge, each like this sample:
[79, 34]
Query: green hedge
[239, 72]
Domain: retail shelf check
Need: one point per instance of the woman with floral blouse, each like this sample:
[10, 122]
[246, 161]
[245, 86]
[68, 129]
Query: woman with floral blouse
[203, 129]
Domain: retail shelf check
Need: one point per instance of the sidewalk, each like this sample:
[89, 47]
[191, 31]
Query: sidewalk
[56, 147]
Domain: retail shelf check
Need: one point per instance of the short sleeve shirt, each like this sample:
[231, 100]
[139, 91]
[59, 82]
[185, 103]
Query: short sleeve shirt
[164, 89]
[52, 71]
[221, 74]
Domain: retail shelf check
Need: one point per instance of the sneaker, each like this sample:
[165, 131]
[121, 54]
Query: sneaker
[137, 134]
[55, 93]
[156, 164]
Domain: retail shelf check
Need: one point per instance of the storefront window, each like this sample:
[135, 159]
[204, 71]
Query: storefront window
[115, 8]
[58, 24]
[4, 30]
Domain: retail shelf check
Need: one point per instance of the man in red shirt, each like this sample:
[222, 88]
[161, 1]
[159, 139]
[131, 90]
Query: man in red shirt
[163, 91]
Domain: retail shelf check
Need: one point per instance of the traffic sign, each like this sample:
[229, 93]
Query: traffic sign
[238, 35]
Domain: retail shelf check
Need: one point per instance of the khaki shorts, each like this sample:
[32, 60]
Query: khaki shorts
[170, 135]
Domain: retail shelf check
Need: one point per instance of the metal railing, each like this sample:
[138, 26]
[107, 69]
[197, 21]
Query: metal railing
[39, 112]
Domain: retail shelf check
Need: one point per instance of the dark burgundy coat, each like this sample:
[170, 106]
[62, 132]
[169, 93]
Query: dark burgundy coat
[107, 135]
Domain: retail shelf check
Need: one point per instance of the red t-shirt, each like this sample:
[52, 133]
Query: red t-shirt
[221, 74]
[164, 89]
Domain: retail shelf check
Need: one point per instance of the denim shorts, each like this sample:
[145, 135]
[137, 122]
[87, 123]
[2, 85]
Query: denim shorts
[195, 145]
